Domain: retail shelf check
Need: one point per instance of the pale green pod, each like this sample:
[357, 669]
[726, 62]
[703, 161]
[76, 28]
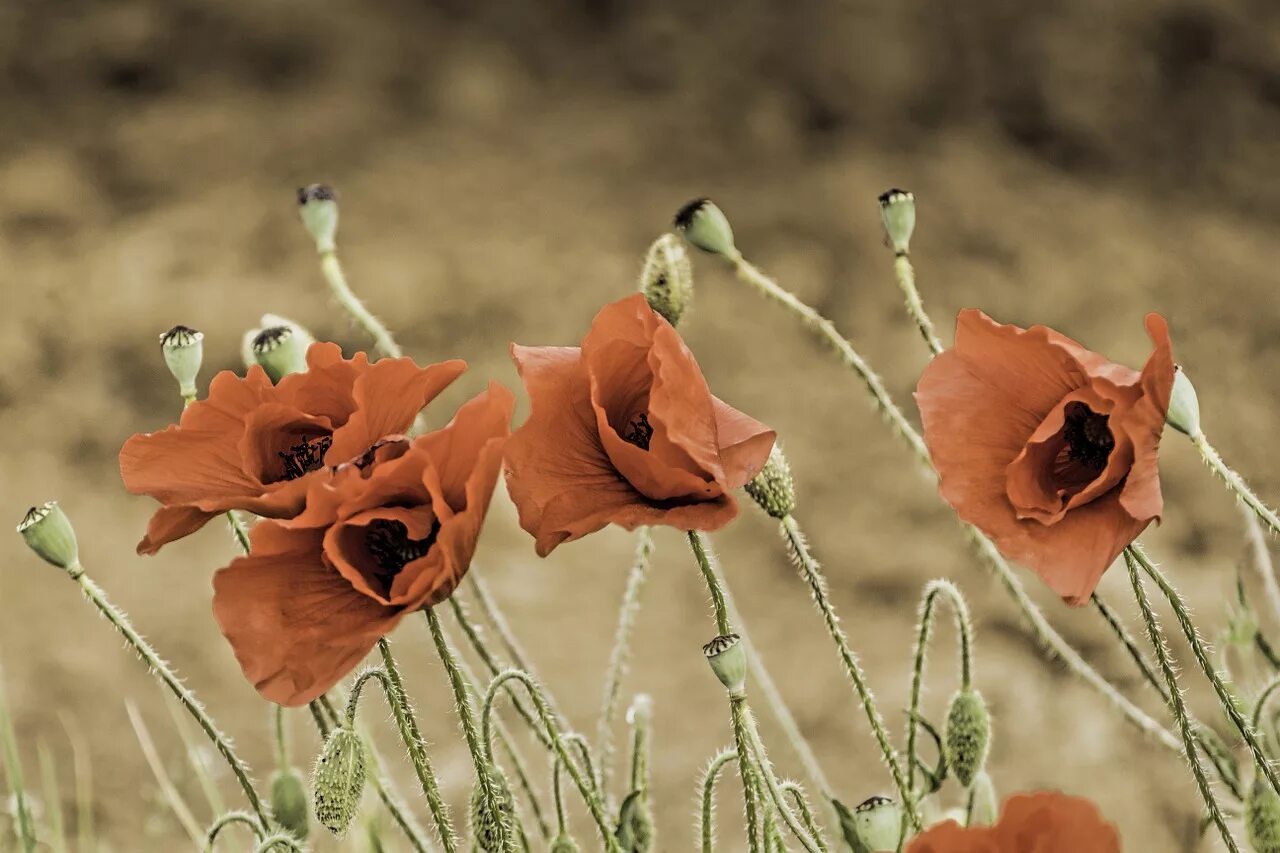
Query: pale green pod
[49, 533]
[874, 826]
[728, 661]
[636, 829]
[183, 350]
[318, 208]
[1184, 405]
[289, 802]
[967, 736]
[704, 225]
[280, 350]
[898, 215]
[339, 779]
[773, 489]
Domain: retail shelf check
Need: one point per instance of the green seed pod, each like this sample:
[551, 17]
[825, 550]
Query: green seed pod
[1262, 817]
[49, 533]
[635, 831]
[898, 214]
[967, 736]
[280, 350]
[773, 489]
[985, 804]
[183, 350]
[487, 827]
[289, 802]
[728, 661]
[872, 827]
[564, 844]
[339, 780]
[318, 207]
[1184, 405]
[667, 278]
[704, 225]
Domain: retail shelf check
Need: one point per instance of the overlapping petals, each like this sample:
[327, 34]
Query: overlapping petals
[1048, 448]
[250, 444]
[624, 430]
[380, 537]
[1029, 823]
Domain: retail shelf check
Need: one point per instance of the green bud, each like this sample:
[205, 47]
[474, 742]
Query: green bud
[773, 489]
[967, 736]
[564, 844]
[704, 225]
[289, 802]
[1184, 405]
[728, 661]
[667, 278]
[985, 806]
[490, 827]
[1262, 817]
[898, 214]
[318, 207]
[339, 780]
[635, 831]
[183, 351]
[873, 827]
[49, 533]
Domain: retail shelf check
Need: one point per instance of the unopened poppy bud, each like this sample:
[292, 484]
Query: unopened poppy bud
[667, 278]
[489, 826]
[898, 214]
[773, 489]
[985, 805]
[339, 780]
[289, 801]
[1262, 817]
[183, 350]
[318, 207]
[564, 844]
[49, 533]
[967, 735]
[877, 824]
[1184, 405]
[728, 661]
[635, 832]
[704, 225]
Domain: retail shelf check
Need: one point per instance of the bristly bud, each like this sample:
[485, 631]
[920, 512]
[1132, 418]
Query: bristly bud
[1262, 817]
[667, 278]
[318, 207]
[183, 350]
[564, 844]
[898, 214]
[968, 735]
[289, 802]
[635, 831]
[773, 489]
[985, 806]
[873, 827]
[704, 225]
[489, 828]
[339, 780]
[728, 661]
[49, 533]
[1184, 405]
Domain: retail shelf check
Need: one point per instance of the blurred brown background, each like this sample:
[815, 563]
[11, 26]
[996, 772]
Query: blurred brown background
[502, 170]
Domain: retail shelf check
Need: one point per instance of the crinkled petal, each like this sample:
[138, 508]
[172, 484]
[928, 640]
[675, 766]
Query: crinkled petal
[1144, 424]
[745, 444]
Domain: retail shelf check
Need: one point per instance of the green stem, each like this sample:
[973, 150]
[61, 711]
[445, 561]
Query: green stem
[1236, 483]
[802, 806]
[738, 712]
[211, 837]
[707, 799]
[337, 281]
[812, 844]
[933, 591]
[906, 276]
[13, 773]
[714, 587]
[278, 841]
[1176, 703]
[281, 738]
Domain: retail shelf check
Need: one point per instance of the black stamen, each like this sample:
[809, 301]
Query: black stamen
[392, 549]
[639, 431]
[1089, 439]
[304, 457]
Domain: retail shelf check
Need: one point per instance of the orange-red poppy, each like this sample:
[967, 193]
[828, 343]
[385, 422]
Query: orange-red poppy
[250, 443]
[1048, 448]
[624, 430]
[1029, 823]
[380, 537]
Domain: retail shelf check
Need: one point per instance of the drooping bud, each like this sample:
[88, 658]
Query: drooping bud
[667, 278]
[491, 824]
[704, 225]
[898, 214]
[873, 827]
[183, 350]
[967, 736]
[289, 802]
[339, 780]
[1262, 817]
[49, 533]
[984, 805]
[318, 207]
[635, 831]
[728, 661]
[773, 489]
[564, 844]
[1184, 405]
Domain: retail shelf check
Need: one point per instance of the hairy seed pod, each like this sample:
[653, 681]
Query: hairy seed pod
[1184, 405]
[1262, 817]
[635, 831]
[967, 736]
[898, 215]
[667, 278]
[183, 351]
[488, 827]
[47, 531]
[289, 802]
[339, 780]
[728, 661]
[704, 225]
[773, 489]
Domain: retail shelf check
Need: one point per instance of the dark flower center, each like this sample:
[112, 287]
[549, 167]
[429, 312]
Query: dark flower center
[304, 457]
[389, 543]
[639, 431]
[1089, 439]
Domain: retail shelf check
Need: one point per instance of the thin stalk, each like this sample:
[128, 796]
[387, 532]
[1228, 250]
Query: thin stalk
[331, 268]
[906, 276]
[498, 620]
[281, 737]
[796, 793]
[278, 841]
[811, 843]
[1176, 703]
[1271, 688]
[1236, 483]
[933, 591]
[82, 764]
[230, 819]
[13, 774]
[196, 757]
[52, 797]
[170, 791]
[707, 798]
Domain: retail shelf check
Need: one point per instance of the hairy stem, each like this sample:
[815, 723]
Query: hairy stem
[331, 268]
[707, 798]
[933, 591]
[227, 820]
[811, 843]
[747, 771]
[906, 276]
[1236, 483]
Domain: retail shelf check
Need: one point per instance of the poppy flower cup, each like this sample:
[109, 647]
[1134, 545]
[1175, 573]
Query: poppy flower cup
[250, 444]
[1029, 823]
[388, 534]
[1048, 448]
[624, 430]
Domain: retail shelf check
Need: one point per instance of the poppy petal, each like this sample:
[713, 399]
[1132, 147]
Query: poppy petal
[745, 444]
[1144, 425]
[171, 523]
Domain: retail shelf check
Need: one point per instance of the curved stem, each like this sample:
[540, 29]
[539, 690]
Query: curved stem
[906, 276]
[802, 806]
[226, 820]
[812, 844]
[707, 800]
[934, 590]
[279, 841]
[1236, 483]
[1258, 707]
[1176, 703]
[337, 281]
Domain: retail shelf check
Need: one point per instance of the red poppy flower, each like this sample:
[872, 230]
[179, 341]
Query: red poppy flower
[388, 534]
[625, 430]
[1029, 823]
[1048, 448]
[248, 445]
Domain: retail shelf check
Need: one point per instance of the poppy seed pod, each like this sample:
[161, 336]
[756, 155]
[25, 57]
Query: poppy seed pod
[636, 831]
[280, 350]
[183, 350]
[1262, 817]
[489, 826]
[898, 214]
[728, 661]
[1184, 405]
[289, 802]
[318, 207]
[667, 278]
[773, 489]
[704, 225]
[877, 824]
[968, 735]
[339, 780]
[564, 844]
[49, 533]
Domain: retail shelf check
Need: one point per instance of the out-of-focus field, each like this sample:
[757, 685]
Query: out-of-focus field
[501, 174]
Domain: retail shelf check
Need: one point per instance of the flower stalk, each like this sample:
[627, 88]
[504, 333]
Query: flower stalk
[934, 591]
[1235, 483]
